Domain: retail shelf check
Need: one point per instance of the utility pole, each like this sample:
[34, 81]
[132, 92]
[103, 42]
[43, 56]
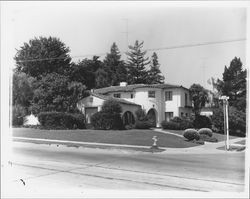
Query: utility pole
[226, 125]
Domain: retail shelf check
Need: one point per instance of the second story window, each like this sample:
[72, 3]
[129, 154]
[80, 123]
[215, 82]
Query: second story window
[151, 94]
[168, 96]
[117, 95]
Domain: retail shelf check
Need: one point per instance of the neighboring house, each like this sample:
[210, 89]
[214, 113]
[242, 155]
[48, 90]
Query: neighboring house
[160, 101]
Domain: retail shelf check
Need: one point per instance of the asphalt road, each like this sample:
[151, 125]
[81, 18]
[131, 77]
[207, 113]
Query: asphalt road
[40, 168]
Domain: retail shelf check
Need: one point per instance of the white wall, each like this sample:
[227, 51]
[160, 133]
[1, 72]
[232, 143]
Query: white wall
[97, 102]
[173, 106]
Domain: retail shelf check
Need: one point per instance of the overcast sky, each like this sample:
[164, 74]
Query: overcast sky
[91, 28]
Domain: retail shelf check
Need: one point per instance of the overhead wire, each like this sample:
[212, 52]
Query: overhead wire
[149, 49]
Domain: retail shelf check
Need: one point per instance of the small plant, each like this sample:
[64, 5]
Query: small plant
[206, 131]
[191, 134]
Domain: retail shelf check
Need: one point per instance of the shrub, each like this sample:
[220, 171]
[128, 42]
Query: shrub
[191, 134]
[129, 126]
[106, 121]
[236, 118]
[60, 120]
[170, 125]
[177, 124]
[206, 131]
[143, 124]
[112, 106]
[141, 114]
[18, 113]
[202, 121]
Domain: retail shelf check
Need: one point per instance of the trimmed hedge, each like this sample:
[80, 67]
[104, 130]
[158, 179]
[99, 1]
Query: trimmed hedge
[61, 120]
[191, 134]
[143, 124]
[177, 124]
[107, 121]
[206, 131]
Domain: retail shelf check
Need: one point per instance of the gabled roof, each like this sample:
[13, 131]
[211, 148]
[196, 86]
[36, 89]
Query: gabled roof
[132, 87]
[104, 97]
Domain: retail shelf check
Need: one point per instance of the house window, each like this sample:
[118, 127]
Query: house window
[168, 96]
[132, 96]
[186, 99]
[117, 95]
[151, 94]
[168, 115]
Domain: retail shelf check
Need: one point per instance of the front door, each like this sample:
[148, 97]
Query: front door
[89, 111]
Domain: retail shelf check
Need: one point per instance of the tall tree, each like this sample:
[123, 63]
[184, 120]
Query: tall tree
[101, 79]
[154, 73]
[56, 92]
[85, 71]
[233, 84]
[199, 97]
[41, 56]
[114, 66]
[22, 89]
[137, 63]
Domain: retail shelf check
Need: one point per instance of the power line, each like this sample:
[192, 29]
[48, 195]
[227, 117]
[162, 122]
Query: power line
[150, 49]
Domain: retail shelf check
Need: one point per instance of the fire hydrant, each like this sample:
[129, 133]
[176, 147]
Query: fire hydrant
[154, 146]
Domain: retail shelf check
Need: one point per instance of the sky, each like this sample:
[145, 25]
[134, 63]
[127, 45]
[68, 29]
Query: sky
[90, 28]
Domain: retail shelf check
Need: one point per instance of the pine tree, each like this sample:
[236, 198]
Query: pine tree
[234, 84]
[114, 66]
[137, 63]
[154, 74]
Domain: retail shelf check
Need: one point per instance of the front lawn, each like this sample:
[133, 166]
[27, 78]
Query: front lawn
[126, 137]
[219, 137]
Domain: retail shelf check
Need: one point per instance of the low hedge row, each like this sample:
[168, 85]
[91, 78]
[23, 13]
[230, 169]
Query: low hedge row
[61, 120]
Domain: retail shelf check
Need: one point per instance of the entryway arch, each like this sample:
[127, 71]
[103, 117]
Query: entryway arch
[152, 116]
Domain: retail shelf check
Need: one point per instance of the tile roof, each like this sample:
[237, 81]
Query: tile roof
[132, 87]
[104, 97]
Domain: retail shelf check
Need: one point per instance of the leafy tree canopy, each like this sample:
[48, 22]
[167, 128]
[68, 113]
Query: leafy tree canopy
[41, 56]
[199, 97]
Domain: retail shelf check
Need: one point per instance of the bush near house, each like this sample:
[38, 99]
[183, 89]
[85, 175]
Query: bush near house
[106, 121]
[61, 120]
[202, 121]
[191, 134]
[177, 123]
[109, 117]
[142, 121]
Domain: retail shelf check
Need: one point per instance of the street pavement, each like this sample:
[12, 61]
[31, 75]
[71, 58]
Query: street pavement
[42, 170]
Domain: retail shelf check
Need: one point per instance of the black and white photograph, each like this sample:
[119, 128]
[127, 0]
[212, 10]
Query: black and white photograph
[124, 99]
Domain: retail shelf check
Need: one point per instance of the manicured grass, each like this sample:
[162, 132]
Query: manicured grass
[219, 137]
[127, 137]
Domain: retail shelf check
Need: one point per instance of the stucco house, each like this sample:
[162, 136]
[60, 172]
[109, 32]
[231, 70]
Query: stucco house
[160, 101]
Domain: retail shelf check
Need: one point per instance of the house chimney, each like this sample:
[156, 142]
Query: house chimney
[123, 83]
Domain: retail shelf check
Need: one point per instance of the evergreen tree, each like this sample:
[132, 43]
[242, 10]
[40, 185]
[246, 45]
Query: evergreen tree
[101, 79]
[114, 66]
[137, 63]
[234, 84]
[154, 73]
